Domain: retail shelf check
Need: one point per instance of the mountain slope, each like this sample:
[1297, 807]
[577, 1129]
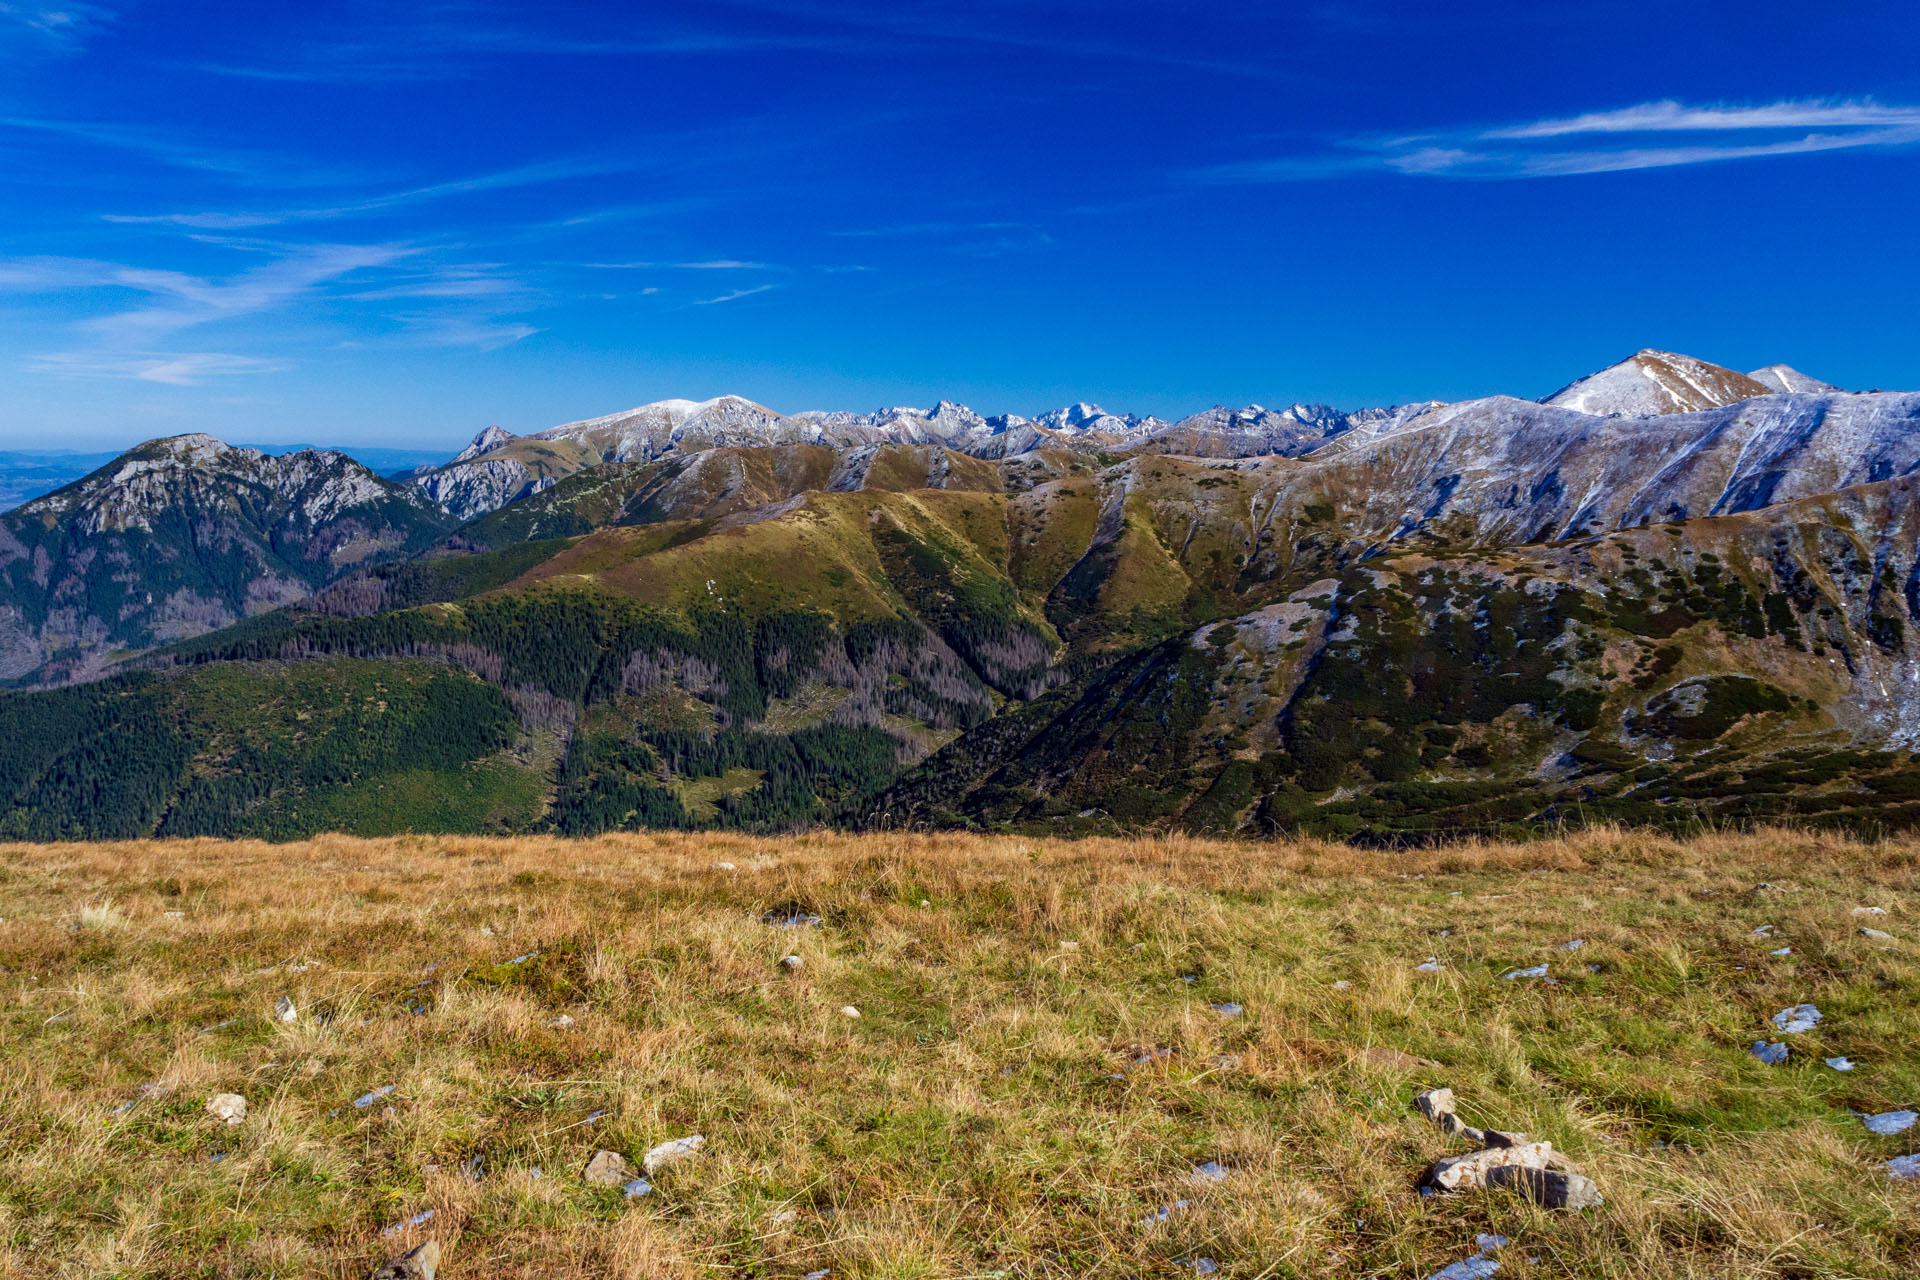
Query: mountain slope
[183, 536]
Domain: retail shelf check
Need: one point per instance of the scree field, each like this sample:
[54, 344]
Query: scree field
[993, 1056]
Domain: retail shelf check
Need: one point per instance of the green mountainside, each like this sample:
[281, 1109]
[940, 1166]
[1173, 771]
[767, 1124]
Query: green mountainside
[1385, 639]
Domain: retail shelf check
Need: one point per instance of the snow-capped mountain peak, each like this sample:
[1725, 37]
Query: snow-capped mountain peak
[1651, 382]
[1790, 381]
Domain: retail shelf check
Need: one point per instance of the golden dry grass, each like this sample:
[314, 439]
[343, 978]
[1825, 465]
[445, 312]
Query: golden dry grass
[985, 1115]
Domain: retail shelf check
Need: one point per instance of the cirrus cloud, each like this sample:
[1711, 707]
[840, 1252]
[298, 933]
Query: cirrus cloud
[1612, 141]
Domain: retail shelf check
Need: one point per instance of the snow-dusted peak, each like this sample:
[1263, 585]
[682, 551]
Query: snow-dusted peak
[1790, 381]
[1650, 383]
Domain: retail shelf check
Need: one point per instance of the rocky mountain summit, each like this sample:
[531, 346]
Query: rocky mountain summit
[185, 535]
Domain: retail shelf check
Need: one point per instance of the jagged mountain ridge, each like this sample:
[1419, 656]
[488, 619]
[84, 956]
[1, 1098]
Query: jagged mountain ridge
[498, 468]
[185, 535]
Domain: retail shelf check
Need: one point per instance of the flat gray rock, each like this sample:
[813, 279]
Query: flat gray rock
[608, 1169]
[1550, 1187]
[1888, 1122]
[415, 1264]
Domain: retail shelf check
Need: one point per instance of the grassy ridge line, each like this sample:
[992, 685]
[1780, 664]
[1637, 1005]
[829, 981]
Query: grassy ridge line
[969, 1122]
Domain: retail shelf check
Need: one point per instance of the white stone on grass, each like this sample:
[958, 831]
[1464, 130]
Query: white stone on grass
[672, 1152]
[1537, 971]
[1800, 1017]
[229, 1108]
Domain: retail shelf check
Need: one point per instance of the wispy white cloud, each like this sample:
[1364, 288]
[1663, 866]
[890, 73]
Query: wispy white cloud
[1615, 141]
[1669, 116]
[735, 295]
[187, 369]
[521, 176]
[133, 342]
[484, 334]
[59, 26]
[254, 167]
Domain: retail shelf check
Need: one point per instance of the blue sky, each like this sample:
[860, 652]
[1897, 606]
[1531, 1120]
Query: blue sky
[397, 223]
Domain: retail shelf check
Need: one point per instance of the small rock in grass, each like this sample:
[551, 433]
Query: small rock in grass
[562, 1022]
[1229, 1008]
[790, 918]
[284, 1010]
[1869, 911]
[821, 1274]
[1434, 1103]
[672, 1152]
[229, 1108]
[1764, 931]
[723, 866]
[1783, 951]
[849, 1011]
[419, 1219]
[1343, 985]
[1459, 1173]
[1431, 966]
[1772, 1054]
[1537, 971]
[1888, 1122]
[1799, 1018]
[1574, 945]
[415, 1264]
[1877, 935]
[1552, 1188]
[608, 1169]
[1164, 1212]
[637, 1188]
[1478, 1267]
[791, 963]
[1840, 1064]
[366, 1100]
[1205, 1266]
[1486, 1242]
[784, 1217]
[1207, 1174]
[1904, 1168]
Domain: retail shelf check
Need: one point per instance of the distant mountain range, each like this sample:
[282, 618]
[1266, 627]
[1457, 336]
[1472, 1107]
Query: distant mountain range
[26, 474]
[1670, 592]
